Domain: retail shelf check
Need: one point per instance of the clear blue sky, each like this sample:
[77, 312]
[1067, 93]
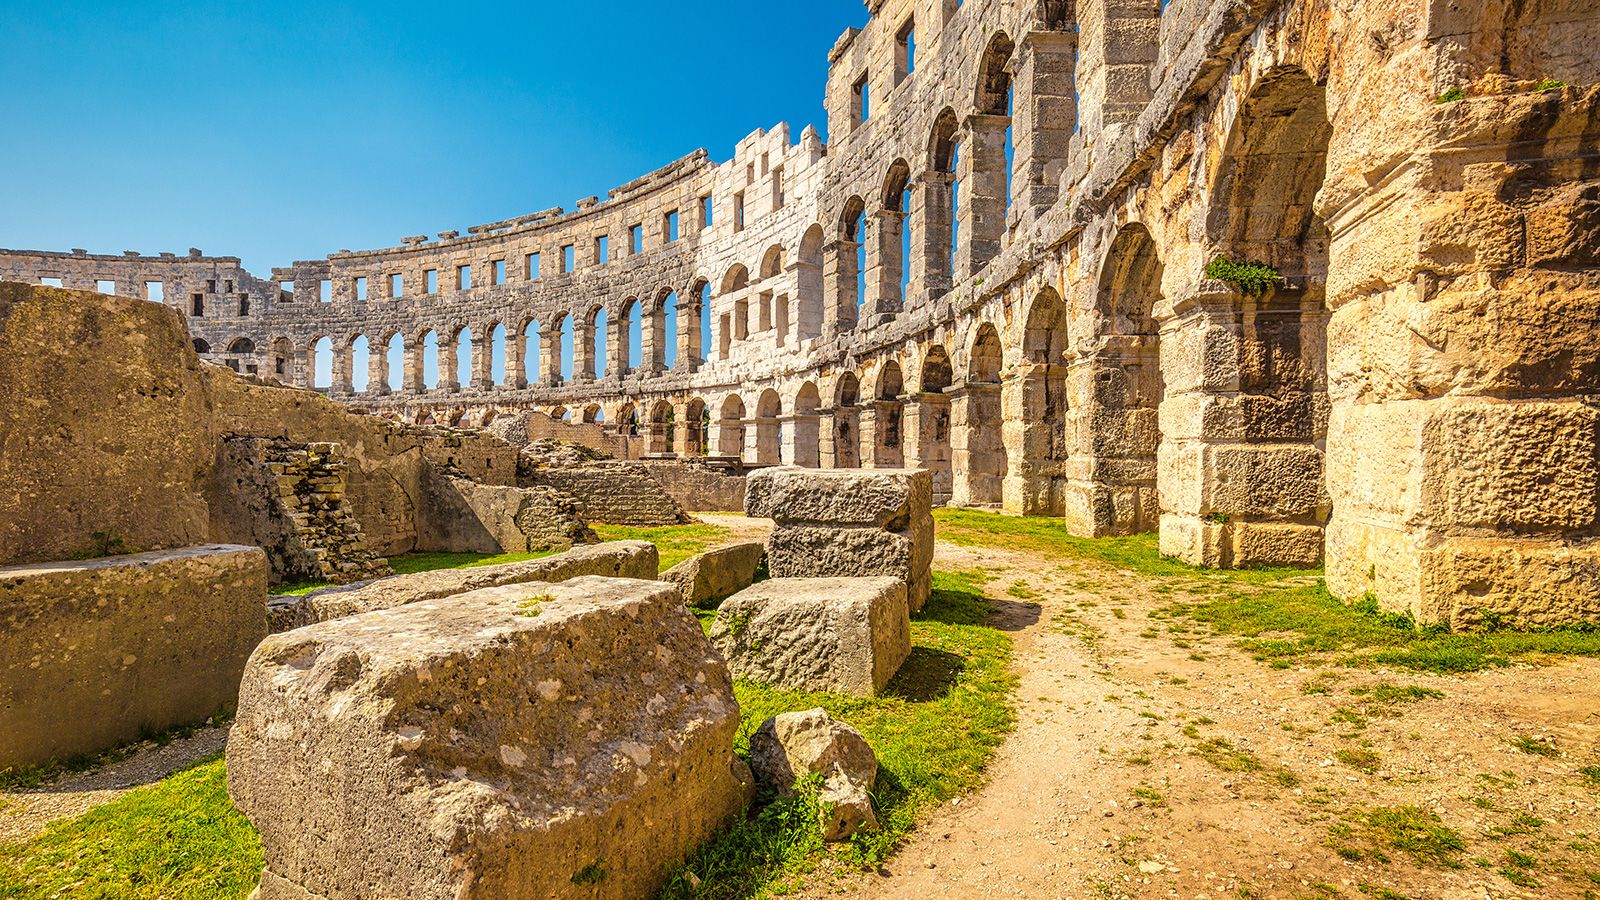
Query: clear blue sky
[281, 131]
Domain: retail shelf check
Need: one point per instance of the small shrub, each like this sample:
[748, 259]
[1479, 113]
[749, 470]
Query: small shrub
[1251, 278]
[1549, 84]
[1359, 758]
[1452, 95]
[1535, 746]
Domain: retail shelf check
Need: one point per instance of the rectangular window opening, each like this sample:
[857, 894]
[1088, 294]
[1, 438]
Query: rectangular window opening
[197, 305]
[397, 286]
[464, 277]
[325, 291]
[860, 98]
[533, 267]
[738, 211]
[498, 271]
[670, 226]
[905, 51]
[155, 291]
[602, 250]
[105, 286]
[778, 199]
[706, 212]
[430, 282]
[361, 289]
[635, 239]
[569, 258]
[51, 281]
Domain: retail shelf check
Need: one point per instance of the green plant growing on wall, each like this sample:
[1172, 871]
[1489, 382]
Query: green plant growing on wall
[1251, 278]
[1452, 95]
[1549, 84]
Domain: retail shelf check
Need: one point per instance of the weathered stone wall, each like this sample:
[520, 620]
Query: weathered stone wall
[697, 488]
[1413, 177]
[105, 427]
[467, 516]
[100, 653]
[611, 492]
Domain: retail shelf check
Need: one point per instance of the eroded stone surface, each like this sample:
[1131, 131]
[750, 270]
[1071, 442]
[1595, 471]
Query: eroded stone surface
[95, 654]
[495, 744]
[716, 574]
[793, 746]
[846, 635]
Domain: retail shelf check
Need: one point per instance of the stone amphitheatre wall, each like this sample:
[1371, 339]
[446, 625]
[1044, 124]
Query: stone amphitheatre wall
[1410, 398]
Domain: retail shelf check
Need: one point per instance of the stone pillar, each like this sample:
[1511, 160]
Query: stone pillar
[1045, 110]
[309, 369]
[752, 440]
[1239, 472]
[882, 434]
[516, 361]
[448, 364]
[1117, 44]
[681, 430]
[930, 243]
[983, 199]
[483, 359]
[689, 348]
[550, 350]
[416, 378]
[926, 425]
[1032, 400]
[885, 267]
[653, 340]
[844, 439]
[1114, 435]
[343, 364]
[583, 351]
[977, 448]
[378, 370]
[804, 436]
[839, 313]
[616, 347]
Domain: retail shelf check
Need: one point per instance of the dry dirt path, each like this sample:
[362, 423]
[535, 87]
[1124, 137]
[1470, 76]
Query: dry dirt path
[1109, 787]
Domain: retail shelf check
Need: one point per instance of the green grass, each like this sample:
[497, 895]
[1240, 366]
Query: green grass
[1590, 775]
[1281, 617]
[675, 543]
[934, 732]
[1408, 829]
[178, 838]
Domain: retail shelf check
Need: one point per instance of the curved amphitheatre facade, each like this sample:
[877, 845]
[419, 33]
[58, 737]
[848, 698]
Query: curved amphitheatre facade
[1412, 399]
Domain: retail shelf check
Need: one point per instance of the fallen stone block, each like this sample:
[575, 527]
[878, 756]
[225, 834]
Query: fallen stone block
[528, 741]
[791, 747]
[716, 574]
[618, 559]
[845, 635]
[99, 653]
[848, 522]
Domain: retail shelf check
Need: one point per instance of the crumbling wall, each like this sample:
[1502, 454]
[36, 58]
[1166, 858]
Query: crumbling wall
[697, 488]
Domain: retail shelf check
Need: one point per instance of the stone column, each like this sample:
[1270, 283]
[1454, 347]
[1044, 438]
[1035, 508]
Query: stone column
[752, 440]
[308, 377]
[977, 448]
[343, 376]
[1045, 111]
[1031, 400]
[845, 439]
[583, 351]
[681, 430]
[416, 378]
[378, 370]
[930, 243]
[802, 439]
[653, 340]
[926, 425]
[839, 311]
[983, 199]
[516, 361]
[882, 434]
[689, 348]
[550, 365]
[1117, 44]
[885, 267]
[483, 359]
[448, 364]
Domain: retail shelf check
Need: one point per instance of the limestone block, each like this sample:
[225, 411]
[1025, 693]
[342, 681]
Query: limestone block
[618, 559]
[1470, 583]
[95, 654]
[1527, 466]
[845, 635]
[469, 517]
[1254, 544]
[793, 746]
[716, 574]
[561, 741]
[1276, 481]
[1196, 541]
[848, 522]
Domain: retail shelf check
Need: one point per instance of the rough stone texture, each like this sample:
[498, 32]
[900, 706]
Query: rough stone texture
[1069, 356]
[697, 488]
[716, 574]
[618, 559]
[793, 746]
[848, 523]
[99, 653]
[490, 745]
[610, 491]
[492, 518]
[289, 500]
[104, 444]
[845, 635]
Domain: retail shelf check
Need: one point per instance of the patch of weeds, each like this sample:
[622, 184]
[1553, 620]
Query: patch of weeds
[1359, 758]
[1451, 95]
[1150, 796]
[593, 873]
[1344, 715]
[1536, 746]
[531, 607]
[1225, 756]
[1380, 892]
[674, 543]
[1408, 829]
[1590, 775]
[1517, 867]
[1549, 84]
[1394, 694]
[1021, 591]
[1119, 612]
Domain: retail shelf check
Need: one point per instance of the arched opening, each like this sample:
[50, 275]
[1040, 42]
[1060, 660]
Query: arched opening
[464, 351]
[769, 428]
[563, 350]
[808, 285]
[1262, 210]
[430, 360]
[322, 354]
[633, 339]
[850, 263]
[772, 304]
[730, 427]
[807, 423]
[939, 210]
[592, 414]
[930, 432]
[885, 417]
[978, 448]
[497, 354]
[201, 346]
[669, 330]
[242, 346]
[985, 202]
[1124, 406]
[734, 322]
[697, 422]
[1042, 435]
[628, 420]
[846, 422]
[395, 362]
[662, 430]
[699, 325]
[894, 240]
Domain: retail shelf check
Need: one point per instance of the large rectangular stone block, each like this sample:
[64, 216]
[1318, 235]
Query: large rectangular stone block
[845, 635]
[95, 654]
[617, 559]
[848, 522]
[716, 574]
[527, 741]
